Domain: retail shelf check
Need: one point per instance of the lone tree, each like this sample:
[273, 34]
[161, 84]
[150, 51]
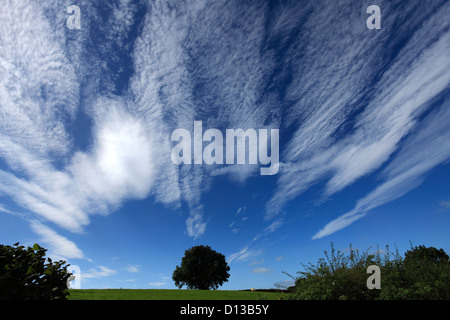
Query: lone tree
[25, 274]
[201, 268]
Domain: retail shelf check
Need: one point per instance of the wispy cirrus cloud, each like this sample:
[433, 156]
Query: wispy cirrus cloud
[162, 281]
[422, 151]
[60, 247]
[157, 284]
[38, 86]
[261, 270]
[133, 268]
[96, 273]
[194, 63]
[345, 107]
[118, 167]
[46, 174]
[245, 254]
[254, 249]
[377, 116]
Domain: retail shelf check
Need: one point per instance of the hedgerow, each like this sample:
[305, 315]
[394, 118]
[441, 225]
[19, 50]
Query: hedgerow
[423, 273]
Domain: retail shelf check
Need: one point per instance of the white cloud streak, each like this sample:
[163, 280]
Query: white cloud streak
[96, 273]
[59, 247]
[192, 45]
[406, 171]
[319, 150]
[157, 284]
[133, 268]
[261, 270]
[244, 254]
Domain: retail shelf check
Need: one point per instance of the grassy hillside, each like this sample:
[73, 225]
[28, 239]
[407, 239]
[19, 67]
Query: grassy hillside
[165, 294]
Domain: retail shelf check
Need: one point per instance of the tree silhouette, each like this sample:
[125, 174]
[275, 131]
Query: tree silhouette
[201, 268]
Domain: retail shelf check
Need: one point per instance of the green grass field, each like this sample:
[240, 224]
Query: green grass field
[166, 294]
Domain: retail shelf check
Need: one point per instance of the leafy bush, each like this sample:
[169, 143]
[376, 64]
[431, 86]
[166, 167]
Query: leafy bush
[424, 273]
[337, 276]
[25, 274]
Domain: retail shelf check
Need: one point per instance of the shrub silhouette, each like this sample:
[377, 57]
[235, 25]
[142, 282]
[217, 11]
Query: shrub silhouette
[25, 274]
[201, 268]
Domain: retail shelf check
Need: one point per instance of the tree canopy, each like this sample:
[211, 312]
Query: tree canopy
[201, 268]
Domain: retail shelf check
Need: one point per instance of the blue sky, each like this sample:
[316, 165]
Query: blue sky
[86, 117]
